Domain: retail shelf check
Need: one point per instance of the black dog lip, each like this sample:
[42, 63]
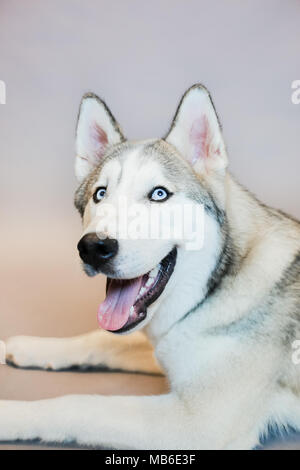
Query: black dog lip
[130, 326]
[167, 266]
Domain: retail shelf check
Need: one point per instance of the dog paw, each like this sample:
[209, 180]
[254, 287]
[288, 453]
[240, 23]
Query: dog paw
[5, 429]
[8, 421]
[20, 351]
[27, 351]
[15, 420]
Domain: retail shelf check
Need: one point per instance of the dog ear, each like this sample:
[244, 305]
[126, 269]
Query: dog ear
[96, 130]
[196, 132]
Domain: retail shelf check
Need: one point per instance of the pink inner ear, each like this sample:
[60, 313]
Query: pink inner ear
[199, 137]
[98, 139]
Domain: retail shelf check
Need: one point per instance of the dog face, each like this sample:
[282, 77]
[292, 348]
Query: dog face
[131, 197]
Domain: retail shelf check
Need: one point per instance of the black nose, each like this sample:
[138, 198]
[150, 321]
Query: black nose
[95, 251]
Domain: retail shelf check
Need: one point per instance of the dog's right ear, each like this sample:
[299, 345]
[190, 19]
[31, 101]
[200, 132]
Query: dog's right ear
[96, 130]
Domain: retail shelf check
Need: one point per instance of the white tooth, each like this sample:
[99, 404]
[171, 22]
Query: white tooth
[149, 282]
[131, 311]
[143, 290]
[154, 272]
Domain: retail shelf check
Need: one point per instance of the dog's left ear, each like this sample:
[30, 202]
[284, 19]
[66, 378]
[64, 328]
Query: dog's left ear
[196, 132]
[96, 130]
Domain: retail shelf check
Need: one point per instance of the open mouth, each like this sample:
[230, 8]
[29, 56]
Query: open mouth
[127, 300]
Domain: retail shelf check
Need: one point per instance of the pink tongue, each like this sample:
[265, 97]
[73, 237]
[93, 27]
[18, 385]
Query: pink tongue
[113, 313]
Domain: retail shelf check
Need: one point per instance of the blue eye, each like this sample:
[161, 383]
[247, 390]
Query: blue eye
[159, 194]
[99, 194]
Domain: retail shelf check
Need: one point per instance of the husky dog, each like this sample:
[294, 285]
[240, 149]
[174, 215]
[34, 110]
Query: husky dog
[221, 319]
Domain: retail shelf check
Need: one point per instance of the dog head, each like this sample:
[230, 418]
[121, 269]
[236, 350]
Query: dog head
[136, 199]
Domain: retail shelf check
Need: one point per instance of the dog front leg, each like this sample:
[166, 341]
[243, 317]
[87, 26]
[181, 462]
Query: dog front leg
[151, 422]
[96, 349]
